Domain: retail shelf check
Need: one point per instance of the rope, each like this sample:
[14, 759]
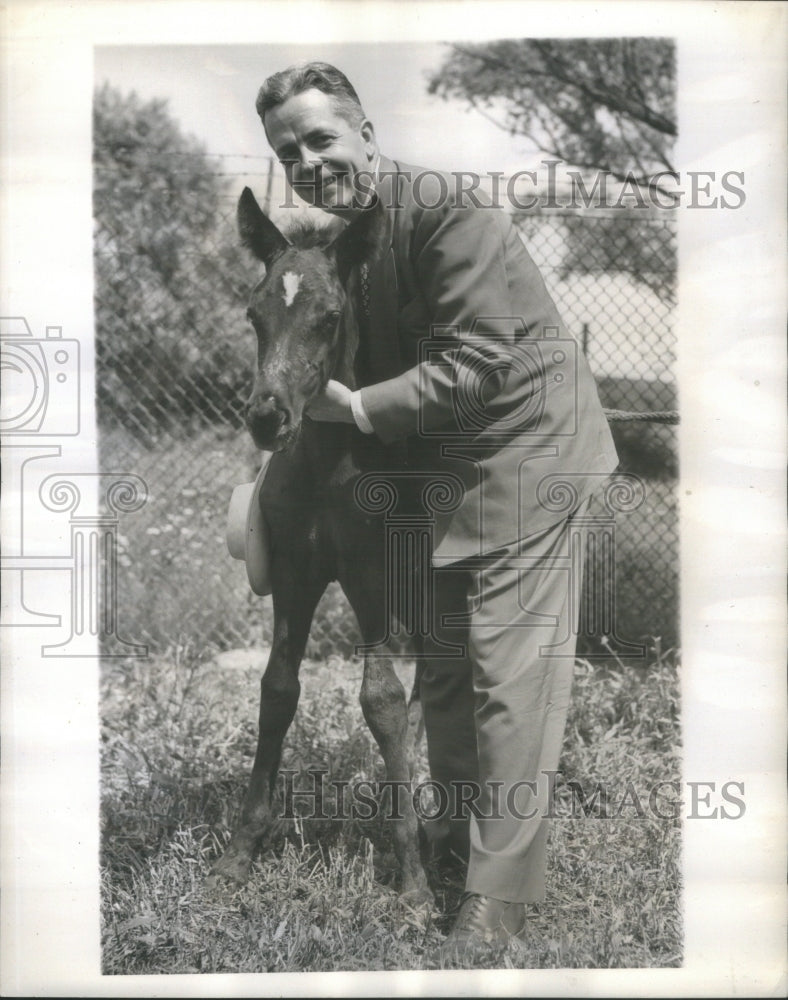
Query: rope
[657, 416]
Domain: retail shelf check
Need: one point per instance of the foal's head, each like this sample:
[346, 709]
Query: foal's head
[295, 313]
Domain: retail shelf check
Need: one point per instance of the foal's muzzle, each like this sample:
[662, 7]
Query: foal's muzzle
[270, 422]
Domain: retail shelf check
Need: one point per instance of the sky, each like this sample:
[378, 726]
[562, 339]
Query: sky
[211, 92]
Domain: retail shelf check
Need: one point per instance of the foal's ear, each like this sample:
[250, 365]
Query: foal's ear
[360, 240]
[257, 231]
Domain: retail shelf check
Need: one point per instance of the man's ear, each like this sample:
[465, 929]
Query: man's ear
[257, 231]
[367, 132]
[360, 240]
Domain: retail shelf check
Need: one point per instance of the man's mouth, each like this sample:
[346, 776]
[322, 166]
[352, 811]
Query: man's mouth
[324, 191]
[317, 184]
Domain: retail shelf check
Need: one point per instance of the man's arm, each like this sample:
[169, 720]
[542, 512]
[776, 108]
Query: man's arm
[463, 261]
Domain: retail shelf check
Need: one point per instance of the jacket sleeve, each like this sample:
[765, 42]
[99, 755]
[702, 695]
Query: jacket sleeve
[460, 264]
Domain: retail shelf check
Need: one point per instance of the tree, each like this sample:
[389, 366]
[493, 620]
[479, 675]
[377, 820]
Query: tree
[599, 104]
[172, 343]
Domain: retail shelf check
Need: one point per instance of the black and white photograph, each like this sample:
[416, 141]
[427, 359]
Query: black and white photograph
[393, 516]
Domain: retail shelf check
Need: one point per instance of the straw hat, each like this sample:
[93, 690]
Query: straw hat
[246, 535]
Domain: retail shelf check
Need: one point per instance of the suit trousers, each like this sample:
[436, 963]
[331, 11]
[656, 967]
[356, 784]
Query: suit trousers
[495, 715]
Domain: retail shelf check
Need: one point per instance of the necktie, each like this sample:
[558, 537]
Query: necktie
[364, 276]
[362, 350]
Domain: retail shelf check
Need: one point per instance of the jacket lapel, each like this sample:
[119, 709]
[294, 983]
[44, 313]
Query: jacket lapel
[379, 329]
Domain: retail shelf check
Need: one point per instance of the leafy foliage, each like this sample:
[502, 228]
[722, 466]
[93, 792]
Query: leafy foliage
[604, 104]
[172, 345]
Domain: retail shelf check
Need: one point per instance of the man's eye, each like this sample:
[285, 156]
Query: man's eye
[321, 141]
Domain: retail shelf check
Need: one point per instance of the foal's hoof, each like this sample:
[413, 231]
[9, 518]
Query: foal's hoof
[417, 896]
[231, 871]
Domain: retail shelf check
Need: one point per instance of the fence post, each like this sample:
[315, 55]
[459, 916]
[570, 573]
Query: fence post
[269, 186]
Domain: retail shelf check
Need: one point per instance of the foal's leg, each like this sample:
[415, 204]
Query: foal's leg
[295, 594]
[385, 708]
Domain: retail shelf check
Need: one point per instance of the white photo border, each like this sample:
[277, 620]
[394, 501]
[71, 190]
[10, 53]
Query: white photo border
[732, 300]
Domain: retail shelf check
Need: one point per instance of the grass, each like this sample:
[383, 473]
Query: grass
[178, 739]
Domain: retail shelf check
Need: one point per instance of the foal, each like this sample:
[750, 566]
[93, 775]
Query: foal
[317, 531]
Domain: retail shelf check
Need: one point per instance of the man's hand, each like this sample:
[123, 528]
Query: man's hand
[333, 404]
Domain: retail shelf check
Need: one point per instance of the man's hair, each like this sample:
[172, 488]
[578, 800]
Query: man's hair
[311, 76]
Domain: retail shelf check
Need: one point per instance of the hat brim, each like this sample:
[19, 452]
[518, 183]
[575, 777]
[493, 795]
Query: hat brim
[247, 537]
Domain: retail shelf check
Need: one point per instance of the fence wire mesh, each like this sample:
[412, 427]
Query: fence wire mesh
[174, 362]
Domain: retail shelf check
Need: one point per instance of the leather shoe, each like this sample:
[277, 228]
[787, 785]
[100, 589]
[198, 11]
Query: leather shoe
[483, 925]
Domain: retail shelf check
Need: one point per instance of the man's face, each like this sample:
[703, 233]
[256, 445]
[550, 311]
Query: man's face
[322, 153]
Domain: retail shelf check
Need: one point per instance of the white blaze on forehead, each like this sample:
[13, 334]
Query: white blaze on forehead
[291, 283]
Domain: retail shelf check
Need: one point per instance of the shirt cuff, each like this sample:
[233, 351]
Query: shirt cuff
[360, 414]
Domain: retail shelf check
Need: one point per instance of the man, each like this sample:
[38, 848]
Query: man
[467, 369]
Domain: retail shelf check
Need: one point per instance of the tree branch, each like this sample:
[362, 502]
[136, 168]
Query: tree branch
[608, 97]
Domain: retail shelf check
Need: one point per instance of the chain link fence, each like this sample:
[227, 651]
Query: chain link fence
[175, 357]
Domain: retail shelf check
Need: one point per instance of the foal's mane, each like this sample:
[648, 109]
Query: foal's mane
[307, 233]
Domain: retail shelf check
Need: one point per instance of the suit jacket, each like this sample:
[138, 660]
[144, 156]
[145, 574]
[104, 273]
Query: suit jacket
[469, 364]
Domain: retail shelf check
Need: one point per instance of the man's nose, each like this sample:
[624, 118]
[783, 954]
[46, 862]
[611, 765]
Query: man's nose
[308, 161]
